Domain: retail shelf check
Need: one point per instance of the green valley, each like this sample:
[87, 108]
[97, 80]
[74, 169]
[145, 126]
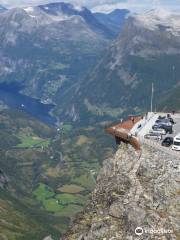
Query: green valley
[50, 174]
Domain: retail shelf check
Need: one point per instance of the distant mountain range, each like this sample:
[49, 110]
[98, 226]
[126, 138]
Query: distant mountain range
[65, 55]
[107, 24]
[68, 10]
[146, 52]
[48, 48]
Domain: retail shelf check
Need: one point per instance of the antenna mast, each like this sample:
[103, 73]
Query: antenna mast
[152, 96]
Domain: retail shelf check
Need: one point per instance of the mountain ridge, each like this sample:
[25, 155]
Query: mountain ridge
[69, 10]
[121, 81]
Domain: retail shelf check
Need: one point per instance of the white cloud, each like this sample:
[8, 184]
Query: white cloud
[88, 3]
[140, 5]
[104, 5]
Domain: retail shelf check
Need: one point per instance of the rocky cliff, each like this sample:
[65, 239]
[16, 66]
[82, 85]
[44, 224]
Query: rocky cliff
[136, 197]
[3, 180]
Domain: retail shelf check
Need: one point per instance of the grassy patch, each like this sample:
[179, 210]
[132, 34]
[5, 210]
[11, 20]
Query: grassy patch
[52, 205]
[70, 210]
[67, 127]
[53, 67]
[59, 66]
[103, 111]
[53, 172]
[71, 188]
[85, 180]
[32, 141]
[61, 203]
[82, 140]
[66, 199]
[42, 192]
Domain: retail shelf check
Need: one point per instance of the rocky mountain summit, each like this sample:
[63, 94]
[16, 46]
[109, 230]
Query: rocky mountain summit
[135, 192]
[67, 10]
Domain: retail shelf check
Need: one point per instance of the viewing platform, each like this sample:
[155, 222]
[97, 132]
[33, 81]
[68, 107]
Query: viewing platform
[134, 130]
[122, 131]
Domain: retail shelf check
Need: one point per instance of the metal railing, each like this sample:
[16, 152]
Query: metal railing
[145, 121]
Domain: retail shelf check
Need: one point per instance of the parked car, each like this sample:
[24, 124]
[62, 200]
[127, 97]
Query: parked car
[161, 117]
[167, 142]
[176, 143]
[168, 117]
[155, 136]
[168, 129]
[157, 125]
[165, 122]
[158, 130]
[171, 120]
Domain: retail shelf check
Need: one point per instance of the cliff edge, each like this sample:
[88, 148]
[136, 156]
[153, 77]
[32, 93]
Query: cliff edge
[136, 197]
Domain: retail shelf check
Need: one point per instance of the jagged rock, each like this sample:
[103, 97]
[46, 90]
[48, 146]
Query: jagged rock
[3, 180]
[133, 190]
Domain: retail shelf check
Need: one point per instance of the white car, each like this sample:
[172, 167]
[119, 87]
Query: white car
[158, 130]
[176, 143]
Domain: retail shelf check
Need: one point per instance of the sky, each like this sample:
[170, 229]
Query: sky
[104, 5]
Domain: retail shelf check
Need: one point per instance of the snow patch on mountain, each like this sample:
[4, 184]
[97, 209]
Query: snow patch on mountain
[36, 12]
[159, 19]
[61, 17]
[29, 9]
[78, 8]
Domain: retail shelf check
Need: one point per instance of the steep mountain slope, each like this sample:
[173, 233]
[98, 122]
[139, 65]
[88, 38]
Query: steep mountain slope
[132, 195]
[171, 100]
[44, 52]
[67, 9]
[114, 20]
[147, 51]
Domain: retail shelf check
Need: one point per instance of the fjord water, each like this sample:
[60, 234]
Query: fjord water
[10, 95]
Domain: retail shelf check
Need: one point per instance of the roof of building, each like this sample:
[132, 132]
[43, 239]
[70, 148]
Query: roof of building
[128, 124]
